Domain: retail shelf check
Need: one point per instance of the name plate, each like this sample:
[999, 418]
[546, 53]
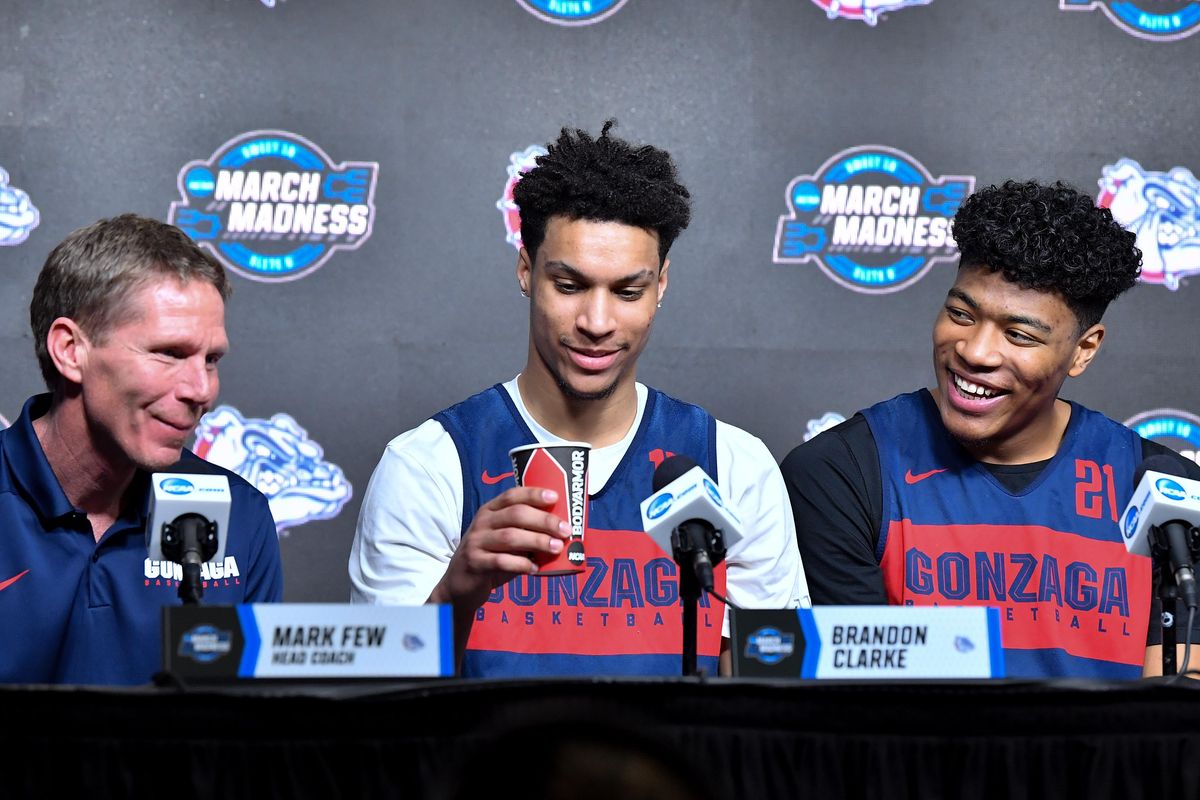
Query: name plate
[868, 642]
[308, 640]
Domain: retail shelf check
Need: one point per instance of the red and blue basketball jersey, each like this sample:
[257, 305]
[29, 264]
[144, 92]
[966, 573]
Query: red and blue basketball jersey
[622, 615]
[1072, 600]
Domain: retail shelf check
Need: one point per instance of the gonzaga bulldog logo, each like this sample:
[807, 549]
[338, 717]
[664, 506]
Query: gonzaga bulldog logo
[1156, 20]
[1163, 209]
[872, 218]
[272, 206]
[572, 12]
[519, 163]
[277, 458]
[1178, 430]
[17, 214]
[818, 426]
[866, 10]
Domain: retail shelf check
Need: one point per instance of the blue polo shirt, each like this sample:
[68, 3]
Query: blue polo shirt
[74, 610]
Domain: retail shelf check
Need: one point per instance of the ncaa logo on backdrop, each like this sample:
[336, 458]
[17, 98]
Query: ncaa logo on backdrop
[866, 10]
[275, 456]
[1170, 427]
[272, 206]
[519, 163]
[18, 216]
[572, 12]
[872, 218]
[1163, 209]
[1157, 20]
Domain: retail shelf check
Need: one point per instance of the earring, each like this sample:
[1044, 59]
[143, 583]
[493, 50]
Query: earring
[524, 292]
[660, 303]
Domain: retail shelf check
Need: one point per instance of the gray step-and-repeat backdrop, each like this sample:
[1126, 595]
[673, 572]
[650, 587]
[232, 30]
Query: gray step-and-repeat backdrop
[351, 162]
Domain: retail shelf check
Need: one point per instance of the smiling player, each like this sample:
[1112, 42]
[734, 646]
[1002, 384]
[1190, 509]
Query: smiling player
[989, 489]
[442, 521]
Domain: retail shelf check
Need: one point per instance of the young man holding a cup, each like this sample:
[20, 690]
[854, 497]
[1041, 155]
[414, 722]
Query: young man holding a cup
[442, 520]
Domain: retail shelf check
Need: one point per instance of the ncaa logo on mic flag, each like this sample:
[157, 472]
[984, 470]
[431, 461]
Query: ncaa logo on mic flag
[1178, 430]
[661, 505]
[868, 11]
[1170, 489]
[1131, 521]
[572, 12]
[272, 206]
[519, 163]
[1163, 209]
[177, 486]
[277, 457]
[872, 218]
[1153, 20]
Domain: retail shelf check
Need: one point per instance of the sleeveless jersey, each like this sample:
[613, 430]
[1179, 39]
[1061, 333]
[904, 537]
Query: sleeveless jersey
[1072, 600]
[622, 614]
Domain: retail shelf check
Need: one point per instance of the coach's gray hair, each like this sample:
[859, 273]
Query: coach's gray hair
[92, 274]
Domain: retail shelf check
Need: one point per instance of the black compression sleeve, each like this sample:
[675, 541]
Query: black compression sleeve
[837, 501]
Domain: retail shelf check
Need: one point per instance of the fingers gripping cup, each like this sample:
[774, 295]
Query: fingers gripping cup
[562, 467]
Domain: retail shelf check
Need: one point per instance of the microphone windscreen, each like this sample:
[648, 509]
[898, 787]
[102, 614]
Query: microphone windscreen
[1156, 463]
[670, 469]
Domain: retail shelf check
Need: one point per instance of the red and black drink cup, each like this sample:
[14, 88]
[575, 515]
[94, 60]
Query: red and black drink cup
[562, 467]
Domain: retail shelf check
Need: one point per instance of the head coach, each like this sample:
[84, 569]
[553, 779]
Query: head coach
[128, 320]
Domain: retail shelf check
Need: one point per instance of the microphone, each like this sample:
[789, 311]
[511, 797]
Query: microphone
[686, 516]
[1167, 500]
[189, 518]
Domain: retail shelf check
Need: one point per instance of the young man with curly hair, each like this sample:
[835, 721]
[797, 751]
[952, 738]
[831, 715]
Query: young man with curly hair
[442, 520]
[988, 488]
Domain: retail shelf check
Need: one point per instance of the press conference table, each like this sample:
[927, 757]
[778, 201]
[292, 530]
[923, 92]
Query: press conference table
[750, 738]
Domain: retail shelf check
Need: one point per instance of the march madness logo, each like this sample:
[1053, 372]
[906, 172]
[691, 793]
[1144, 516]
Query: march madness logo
[872, 218]
[866, 10]
[572, 12]
[519, 163]
[272, 206]
[18, 216]
[1178, 430]
[276, 456]
[1163, 209]
[1156, 20]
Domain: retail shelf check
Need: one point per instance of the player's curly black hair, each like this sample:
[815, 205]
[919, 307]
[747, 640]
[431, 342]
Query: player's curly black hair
[1049, 238]
[604, 179]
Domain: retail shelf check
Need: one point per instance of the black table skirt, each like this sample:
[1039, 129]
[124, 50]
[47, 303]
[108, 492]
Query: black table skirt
[740, 738]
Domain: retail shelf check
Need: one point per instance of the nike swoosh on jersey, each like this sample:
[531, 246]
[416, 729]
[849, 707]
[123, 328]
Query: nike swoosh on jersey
[490, 481]
[910, 479]
[5, 584]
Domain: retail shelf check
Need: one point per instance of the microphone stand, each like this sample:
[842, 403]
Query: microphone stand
[190, 541]
[1168, 591]
[691, 549]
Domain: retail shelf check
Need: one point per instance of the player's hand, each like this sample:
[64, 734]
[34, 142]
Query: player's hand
[500, 544]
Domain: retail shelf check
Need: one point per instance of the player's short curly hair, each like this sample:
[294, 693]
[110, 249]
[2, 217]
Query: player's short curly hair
[1049, 238]
[603, 179]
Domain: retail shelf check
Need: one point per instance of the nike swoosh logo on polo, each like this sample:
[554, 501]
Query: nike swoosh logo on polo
[5, 584]
[910, 479]
[490, 481]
